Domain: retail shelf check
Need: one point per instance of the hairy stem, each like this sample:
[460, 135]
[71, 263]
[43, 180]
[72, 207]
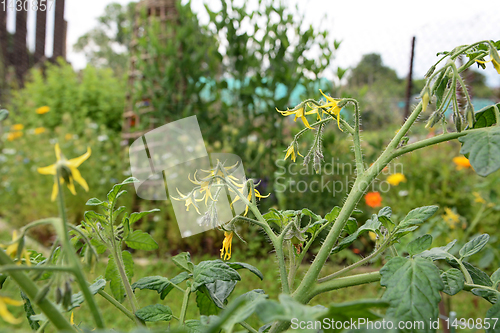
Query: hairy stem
[117, 304]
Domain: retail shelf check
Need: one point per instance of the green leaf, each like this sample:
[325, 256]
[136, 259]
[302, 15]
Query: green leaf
[438, 253]
[420, 244]
[453, 280]
[211, 270]
[287, 309]
[477, 275]
[199, 326]
[483, 147]
[386, 211]
[95, 202]
[486, 117]
[474, 246]
[417, 216]
[494, 314]
[252, 300]
[488, 294]
[159, 283]
[113, 275]
[205, 304]
[219, 291]
[93, 216]
[347, 311]
[240, 265]
[495, 277]
[183, 260]
[78, 298]
[334, 213]
[134, 217]
[372, 224]
[115, 191]
[28, 309]
[4, 114]
[139, 240]
[312, 215]
[413, 287]
[154, 313]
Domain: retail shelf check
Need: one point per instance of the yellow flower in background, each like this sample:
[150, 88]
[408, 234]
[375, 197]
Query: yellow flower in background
[14, 135]
[291, 152]
[396, 178]
[478, 197]
[42, 109]
[72, 318]
[4, 312]
[461, 162]
[17, 127]
[68, 171]
[225, 252]
[450, 217]
[11, 250]
[39, 130]
[68, 137]
[333, 107]
[299, 113]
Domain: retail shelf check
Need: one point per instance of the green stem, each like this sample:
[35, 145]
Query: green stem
[360, 168]
[468, 278]
[10, 268]
[349, 281]
[42, 327]
[117, 304]
[248, 327]
[293, 267]
[31, 290]
[62, 231]
[185, 300]
[474, 222]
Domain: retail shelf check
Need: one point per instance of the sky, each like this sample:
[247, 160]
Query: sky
[364, 26]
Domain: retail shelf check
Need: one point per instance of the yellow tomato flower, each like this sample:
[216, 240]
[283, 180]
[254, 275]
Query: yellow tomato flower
[333, 107]
[478, 197]
[4, 312]
[396, 178]
[189, 201]
[14, 135]
[291, 152]
[495, 60]
[299, 112]
[450, 217]
[68, 171]
[461, 162]
[11, 250]
[42, 109]
[72, 318]
[39, 130]
[17, 127]
[249, 196]
[225, 252]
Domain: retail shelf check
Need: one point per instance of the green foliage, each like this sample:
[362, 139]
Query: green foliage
[154, 313]
[483, 149]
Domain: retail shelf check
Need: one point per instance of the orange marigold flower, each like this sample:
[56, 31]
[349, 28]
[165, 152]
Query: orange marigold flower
[373, 199]
[462, 162]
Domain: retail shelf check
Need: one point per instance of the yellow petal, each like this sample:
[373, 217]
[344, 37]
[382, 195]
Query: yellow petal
[305, 122]
[75, 162]
[71, 186]
[77, 176]
[48, 170]
[72, 318]
[58, 151]
[55, 190]
[6, 315]
[11, 301]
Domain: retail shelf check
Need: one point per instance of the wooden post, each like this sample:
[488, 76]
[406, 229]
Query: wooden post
[20, 57]
[58, 50]
[41, 26]
[410, 82]
[3, 38]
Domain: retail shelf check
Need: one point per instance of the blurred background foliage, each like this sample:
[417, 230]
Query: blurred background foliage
[232, 79]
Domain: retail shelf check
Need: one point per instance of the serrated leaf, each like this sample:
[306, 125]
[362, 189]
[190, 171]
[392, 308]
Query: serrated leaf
[139, 240]
[183, 260]
[113, 275]
[494, 314]
[413, 287]
[488, 294]
[370, 225]
[483, 147]
[28, 309]
[211, 270]
[240, 265]
[93, 216]
[453, 280]
[134, 217]
[308, 212]
[386, 211]
[154, 313]
[417, 216]
[474, 246]
[419, 245]
[219, 291]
